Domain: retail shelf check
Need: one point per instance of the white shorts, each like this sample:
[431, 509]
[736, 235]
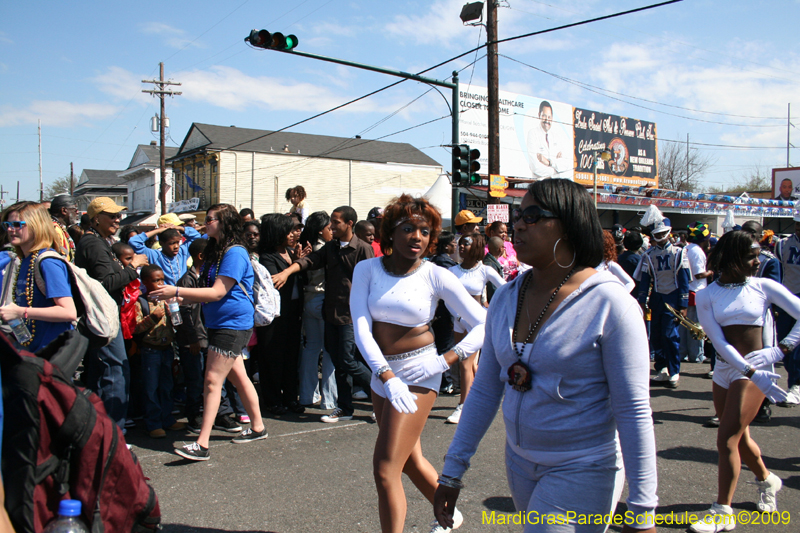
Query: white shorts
[400, 361]
[725, 374]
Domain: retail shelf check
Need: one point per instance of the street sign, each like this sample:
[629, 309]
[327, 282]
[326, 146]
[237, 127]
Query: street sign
[496, 212]
[497, 186]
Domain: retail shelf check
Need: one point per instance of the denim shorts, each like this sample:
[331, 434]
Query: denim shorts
[229, 342]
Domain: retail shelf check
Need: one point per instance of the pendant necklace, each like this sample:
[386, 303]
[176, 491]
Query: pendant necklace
[519, 375]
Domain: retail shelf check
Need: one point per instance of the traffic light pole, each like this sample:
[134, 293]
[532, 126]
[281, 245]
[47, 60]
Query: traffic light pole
[407, 75]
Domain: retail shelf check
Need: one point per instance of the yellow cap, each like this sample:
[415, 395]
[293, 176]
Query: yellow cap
[170, 218]
[103, 204]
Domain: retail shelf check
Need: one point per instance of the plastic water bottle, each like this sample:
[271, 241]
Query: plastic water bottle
[175, 312]
[68, 521]
[20, 330]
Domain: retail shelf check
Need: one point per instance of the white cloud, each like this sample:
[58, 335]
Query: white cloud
[124, 84]
[232, 89]
[441, 26]
[4, 38]
[55, 113]
[174, 37]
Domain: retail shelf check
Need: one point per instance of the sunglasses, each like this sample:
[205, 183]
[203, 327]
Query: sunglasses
[211, 219]
[17, 224]
[113, 216]
[531, 215]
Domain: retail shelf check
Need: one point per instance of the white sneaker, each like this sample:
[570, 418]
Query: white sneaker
[767, 491]
[458, 519]
[456, 416]
[792, 397]
[661, 376]
[360, 395]
[719, 518]
[672, 381]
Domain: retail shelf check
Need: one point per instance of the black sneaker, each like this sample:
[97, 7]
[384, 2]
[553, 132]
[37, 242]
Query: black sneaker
[248, 435]
[226, 423]
[195, 423]
[764, 413]
[712, 422]
[193, 452]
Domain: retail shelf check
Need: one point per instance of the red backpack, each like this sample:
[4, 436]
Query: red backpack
[59, 443]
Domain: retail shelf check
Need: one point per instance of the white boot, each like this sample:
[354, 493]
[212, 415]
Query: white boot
[767, 492]
[458, 519]
[456, 416]
[719, 518]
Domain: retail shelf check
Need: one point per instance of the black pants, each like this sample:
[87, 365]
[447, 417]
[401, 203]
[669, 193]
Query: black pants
[340, 343]
[278, 357]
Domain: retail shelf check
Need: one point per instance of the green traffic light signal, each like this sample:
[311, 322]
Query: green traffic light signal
[474, 167]
[461, 164]
[272, 41]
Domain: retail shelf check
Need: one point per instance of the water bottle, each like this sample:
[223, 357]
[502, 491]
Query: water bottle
[20, 330]
[68, 521]
[175, 312]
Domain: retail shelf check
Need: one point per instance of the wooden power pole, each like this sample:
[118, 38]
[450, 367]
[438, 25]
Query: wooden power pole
[493, 93]
[161, 92]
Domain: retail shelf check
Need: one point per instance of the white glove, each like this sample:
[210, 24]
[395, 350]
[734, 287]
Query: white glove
[764, 357]
[427, 368]
[400, 396]
[766, 382]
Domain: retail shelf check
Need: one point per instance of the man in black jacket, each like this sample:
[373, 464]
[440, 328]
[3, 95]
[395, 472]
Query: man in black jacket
[106, 369]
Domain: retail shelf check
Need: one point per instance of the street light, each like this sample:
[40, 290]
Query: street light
[605, 155]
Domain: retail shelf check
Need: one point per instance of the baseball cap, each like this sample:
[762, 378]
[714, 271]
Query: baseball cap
[187, 216]
[467, 217]
[103, 204]
[169, 218]
[375, 212]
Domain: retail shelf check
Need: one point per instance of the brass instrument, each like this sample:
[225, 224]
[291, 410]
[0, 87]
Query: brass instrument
[694, 328]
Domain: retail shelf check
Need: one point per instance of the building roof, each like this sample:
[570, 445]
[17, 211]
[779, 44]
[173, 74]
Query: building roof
[103, 178]
[152, 153]
[210, 137]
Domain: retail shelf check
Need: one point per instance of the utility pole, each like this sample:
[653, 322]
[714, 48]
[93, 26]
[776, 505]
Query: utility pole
[160, 92]
[2, 199]
[687, 159]
[71, 179]
[493, 94]
[788, 133]
[41, 182]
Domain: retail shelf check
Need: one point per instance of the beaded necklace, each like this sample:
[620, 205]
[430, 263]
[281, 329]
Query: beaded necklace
[520, 301]
[29, 284]
[215, 266]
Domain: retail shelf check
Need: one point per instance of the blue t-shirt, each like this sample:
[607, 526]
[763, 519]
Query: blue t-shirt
[235, 309]
[5, 258]
[174, 268]
[57, 284]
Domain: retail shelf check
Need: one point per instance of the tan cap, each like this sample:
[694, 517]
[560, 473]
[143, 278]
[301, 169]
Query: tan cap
[103, 204]
[467, 217]
[169, 218]
[187, 216]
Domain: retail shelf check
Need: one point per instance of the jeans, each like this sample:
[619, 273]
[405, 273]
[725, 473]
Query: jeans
[107, 373]
[340, 343]
[157, 380]
[192, 366]
[690, 346]
[539, 490]
[314, 328]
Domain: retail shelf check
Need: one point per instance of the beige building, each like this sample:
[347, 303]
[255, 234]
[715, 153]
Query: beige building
[253, 168]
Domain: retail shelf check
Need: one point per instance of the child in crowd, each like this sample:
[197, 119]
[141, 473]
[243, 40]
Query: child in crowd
[156, 354]
[492, 259]
[365, 231]
[192, 339]
[127, 321]
[174, 253]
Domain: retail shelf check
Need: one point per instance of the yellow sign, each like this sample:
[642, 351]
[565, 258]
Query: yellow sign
[497, 186]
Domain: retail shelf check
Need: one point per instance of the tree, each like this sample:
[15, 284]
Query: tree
[755, 180]
[673, 168]
[59, 186]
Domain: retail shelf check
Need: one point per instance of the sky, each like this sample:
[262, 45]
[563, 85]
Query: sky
[722, 72]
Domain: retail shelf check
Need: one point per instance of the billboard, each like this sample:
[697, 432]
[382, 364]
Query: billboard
[786, 183]
[631, 142]
[543, 138]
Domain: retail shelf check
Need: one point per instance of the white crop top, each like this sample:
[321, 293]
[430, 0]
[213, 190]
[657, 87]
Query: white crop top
[476, 278]
[410, 301]
[743, 304]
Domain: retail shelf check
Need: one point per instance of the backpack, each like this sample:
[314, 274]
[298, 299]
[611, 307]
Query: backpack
[267, 299]
[98, 314]
[59, 443]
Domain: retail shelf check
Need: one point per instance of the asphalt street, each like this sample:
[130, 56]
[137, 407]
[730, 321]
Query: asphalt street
[309, 476]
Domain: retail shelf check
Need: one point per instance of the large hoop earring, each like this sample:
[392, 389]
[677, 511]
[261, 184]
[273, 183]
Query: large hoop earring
[556, 259]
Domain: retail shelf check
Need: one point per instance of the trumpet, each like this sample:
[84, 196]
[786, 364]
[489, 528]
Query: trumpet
[694, 328]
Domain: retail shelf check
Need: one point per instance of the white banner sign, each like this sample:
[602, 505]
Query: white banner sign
[495, 212]
[183, 206]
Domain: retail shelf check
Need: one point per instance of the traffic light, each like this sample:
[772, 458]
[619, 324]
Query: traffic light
[474, 167]
[271, 41]
[461, 164]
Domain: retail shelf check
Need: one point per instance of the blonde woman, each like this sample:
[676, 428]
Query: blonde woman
[46, 315]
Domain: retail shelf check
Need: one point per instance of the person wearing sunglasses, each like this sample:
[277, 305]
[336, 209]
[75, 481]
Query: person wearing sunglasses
[107, 371]
[46, 314]
[573, 381]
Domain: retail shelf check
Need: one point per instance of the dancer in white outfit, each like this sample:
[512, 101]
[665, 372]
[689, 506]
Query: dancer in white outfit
[392, 302]
[731, 311]
[474, 276]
